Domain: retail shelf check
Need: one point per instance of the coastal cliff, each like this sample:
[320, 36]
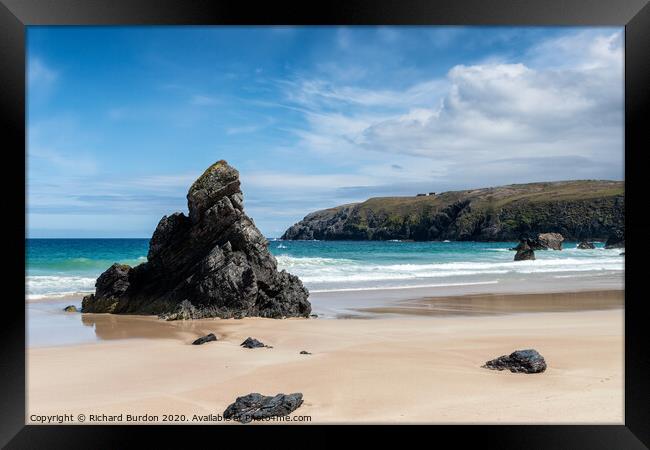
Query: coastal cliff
[585, 209]
[212, 263]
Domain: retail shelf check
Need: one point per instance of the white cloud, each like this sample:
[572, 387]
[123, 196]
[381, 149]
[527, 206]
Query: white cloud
[303, 182]
[42, 80]
[39, 73]
[565, 100]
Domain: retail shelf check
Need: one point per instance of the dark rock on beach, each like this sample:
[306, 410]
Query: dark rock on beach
[305, 352]
[70, 308]
[257, 406]
[212, 263]
[203, 339]
[252, 343]
[586, 245]
[520, 361]
[524, 251]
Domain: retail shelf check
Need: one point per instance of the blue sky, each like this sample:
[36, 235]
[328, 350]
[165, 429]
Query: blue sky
[121, 120]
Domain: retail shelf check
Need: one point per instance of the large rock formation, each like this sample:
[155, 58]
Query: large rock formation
[214, 263]
[586, 209]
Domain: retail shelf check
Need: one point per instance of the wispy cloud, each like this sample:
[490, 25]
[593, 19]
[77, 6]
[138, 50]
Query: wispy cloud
[203, 100]
[38, 72]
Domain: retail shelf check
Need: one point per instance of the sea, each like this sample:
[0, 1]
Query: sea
[65, 267]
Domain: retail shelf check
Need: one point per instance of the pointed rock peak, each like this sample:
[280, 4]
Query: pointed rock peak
[218, 180]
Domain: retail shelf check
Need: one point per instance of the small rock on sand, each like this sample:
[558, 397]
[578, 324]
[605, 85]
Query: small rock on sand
[519, 361]
[257, 406]
[252, 343]
[203, 339]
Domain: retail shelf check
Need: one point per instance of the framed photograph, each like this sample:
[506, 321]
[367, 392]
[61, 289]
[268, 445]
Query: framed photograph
[362, 213]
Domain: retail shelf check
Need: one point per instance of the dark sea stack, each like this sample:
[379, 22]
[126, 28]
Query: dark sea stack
[520, 361]
[257, 406]
[586, 245]
[212, 263]
[203, 339]
[524, 251]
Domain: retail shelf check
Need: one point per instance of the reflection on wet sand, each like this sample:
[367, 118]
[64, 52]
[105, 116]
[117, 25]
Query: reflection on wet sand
[492, 304]
[111, 326]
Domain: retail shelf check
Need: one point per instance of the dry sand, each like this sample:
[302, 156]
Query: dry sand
[407, 369]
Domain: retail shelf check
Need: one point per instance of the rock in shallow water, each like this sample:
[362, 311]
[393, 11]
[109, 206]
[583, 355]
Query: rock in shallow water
[524, 251]
[616, 240]
[70, 308]
[203, 339]
[586, 245]
[257, 406]
[541, 241]
[214, 263]
[520, 361]
[546, 241]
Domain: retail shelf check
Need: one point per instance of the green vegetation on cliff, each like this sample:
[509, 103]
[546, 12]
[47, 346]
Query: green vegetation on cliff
[585, 209]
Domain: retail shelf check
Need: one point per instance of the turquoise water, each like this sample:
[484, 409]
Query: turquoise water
[57, 267]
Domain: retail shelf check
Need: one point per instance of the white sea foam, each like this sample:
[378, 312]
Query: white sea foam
[41, 286]
[320, 273]
[333, 273]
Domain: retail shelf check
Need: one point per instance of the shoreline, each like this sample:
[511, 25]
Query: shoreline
[49, 326]
[406, 369]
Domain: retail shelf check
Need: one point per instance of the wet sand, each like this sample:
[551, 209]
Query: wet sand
[485, 304]
[419, 362]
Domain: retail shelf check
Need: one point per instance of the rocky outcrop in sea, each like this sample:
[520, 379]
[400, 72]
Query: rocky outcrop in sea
[586, 245]
[525, 251]
[212, 263]
[582, 209]
[549, 241]
[541, 241]
[615, 240]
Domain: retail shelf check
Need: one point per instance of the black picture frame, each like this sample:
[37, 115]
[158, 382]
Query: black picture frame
[634, 15]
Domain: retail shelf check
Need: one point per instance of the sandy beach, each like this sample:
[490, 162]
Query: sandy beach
[405, 365]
